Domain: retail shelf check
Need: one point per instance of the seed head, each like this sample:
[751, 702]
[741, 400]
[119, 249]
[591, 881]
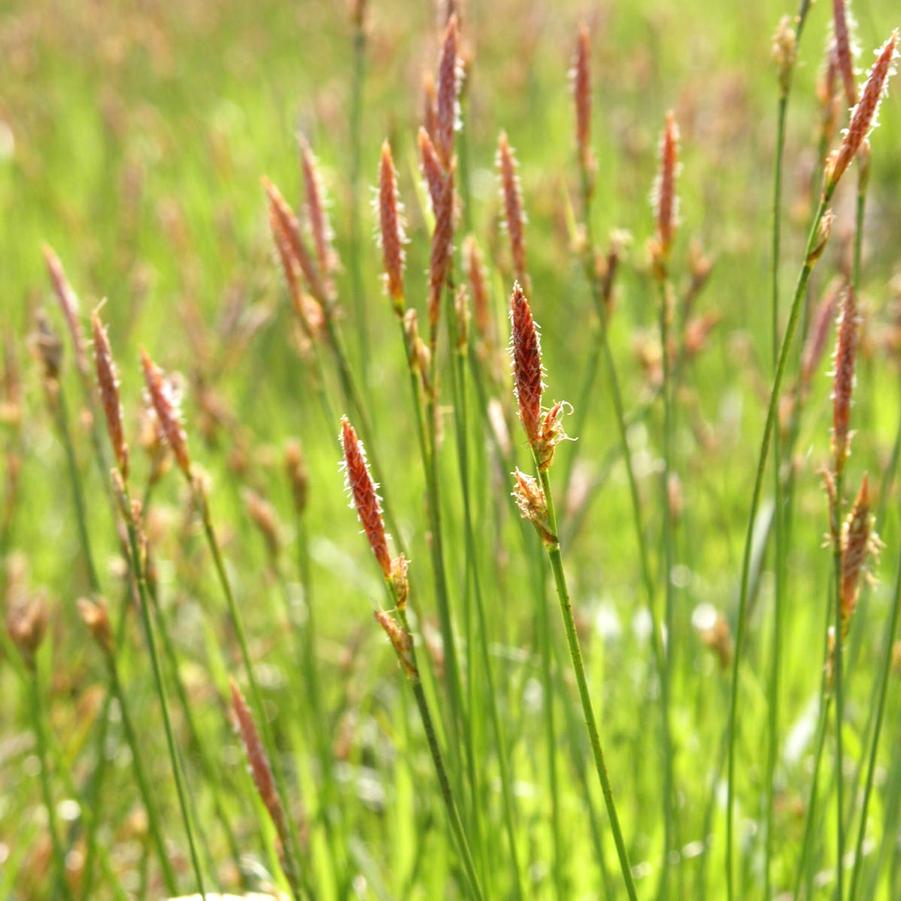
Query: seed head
[864, 116]
[26, 622]
[68, 301]
[845, 50]
[442, 249]
[108, 385]
[478, 286]
[511, 193]
[824, 231]
[166, 407]
[450, 78]
[391, 222]
[581, 86]
[429, 103]
[400, 641]
[827, 94]
[317, 210]
[96, 617]
[528, 374]
[262, 514]
[666, 203]
[364, 497]
[298, 476]
[432, 170]
[858, 543]
[532, 504]
[258, 760]
[785, 48]
[843, 379]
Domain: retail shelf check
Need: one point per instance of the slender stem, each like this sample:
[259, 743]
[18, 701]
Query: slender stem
[137, 569]
[358, 78]
[575, 653]
[40, 734]
[838, 688]
[771, 416]
[874, 746]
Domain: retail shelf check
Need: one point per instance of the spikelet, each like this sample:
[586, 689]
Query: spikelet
[401, 642]
[858, 542]
[843, 379]
[824, 231]
[827, 94]
[815, 343]
[864, 116]
[478, 286]
[431, 169]
[317, 210]
[391, 222]
[665, 200]
[528, 373]
[363, 493]
[447, 110]
[842, 25]
[283, 221]
[442, 250]
[166, 407]
[95, 616]
[580, 75]
[514, 217]
[68, 301]
[532, 504]
[429, 103]
[260, 768]
[263, 516]
[785, 49]
[298, 476]
[47, 348]
[108, 385]
[26, 623]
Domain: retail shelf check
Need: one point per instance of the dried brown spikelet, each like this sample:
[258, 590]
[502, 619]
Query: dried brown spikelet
[843, 379]
[298, 476]
[95, 615]
[551, 433]
[697, 331]
[108, 385]
[431, 168]
[450, 76]
[391, 223]
[842, 23]
[785, 48]
[441, 251]
[165, 405]
[514, 217]
[864, 116]
[666, 202]
[364, 496]
[718, 638]
[581, 86]
[283, 221]
[26, 622]
[400, 641]
[532, 504]
[260, 769]
[68, 301]
[262, 514]
[824, 231]
[858, 543]
[421, 356]
[815, 343]
[528, 373]
[317, 210]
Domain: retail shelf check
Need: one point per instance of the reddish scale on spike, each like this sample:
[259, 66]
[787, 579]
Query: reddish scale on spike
[391, 225]
[527, 372]
[166, 413]
[844, 54]
[448, 90]
[513, 211]
[843, 379]
[108, 385]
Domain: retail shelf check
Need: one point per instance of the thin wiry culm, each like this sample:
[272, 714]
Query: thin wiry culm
[843, 379]
[317, 210]
[858, 542]
[364, 495]
[528, 374]
[666, 203]
[108, 385]
[298, 476]
[68, 301]
[391, 225]
[450, 77]
[845, 49]
[431, 168]
[167, 411]
[865, 115]
[514, 217]
[478, 286]
[283, 219]
[442, 250]
[581, 86]
[260, 768]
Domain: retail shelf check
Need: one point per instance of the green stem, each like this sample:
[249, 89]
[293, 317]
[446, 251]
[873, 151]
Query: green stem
[356, 117]
[575, 653]
[771, 417]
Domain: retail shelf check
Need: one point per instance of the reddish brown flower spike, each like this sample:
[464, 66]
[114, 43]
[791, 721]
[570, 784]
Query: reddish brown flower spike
[429, 102]
[513, 211]
[108, 385]
[260, 768]
[665, 190]
[431, 168]
[392, 228]
[863, 116]
[843, 379]
[581, 78]
[442, 245]
[449, 77]
[317, 210]
[167, 413]
[363, 494]
[527, 372]
[68, 301]
[844, 53]
[816, 337]
[857, 543]
[400, 641]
